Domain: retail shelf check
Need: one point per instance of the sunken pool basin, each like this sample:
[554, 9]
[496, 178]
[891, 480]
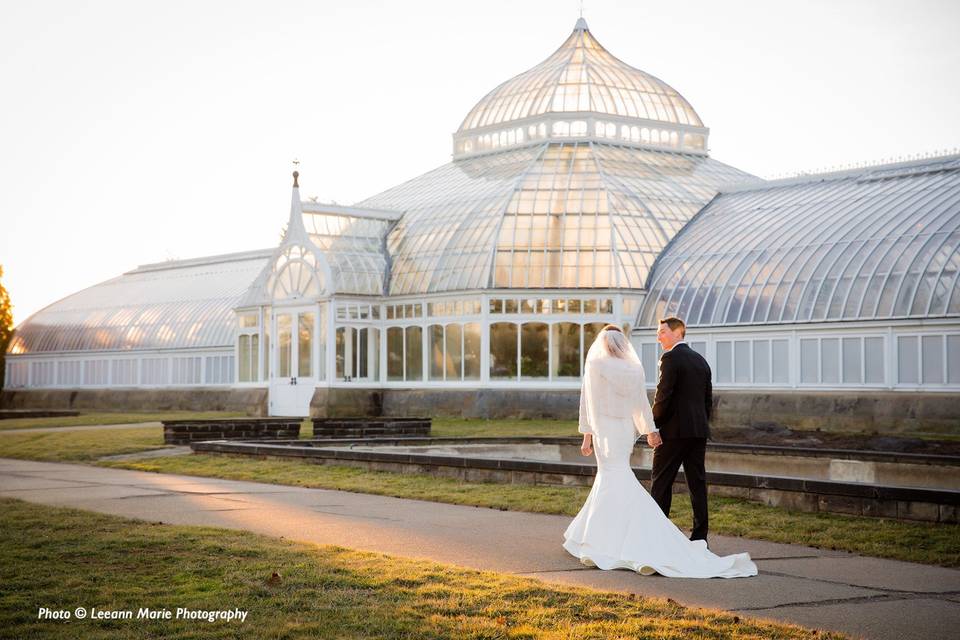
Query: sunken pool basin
[879, 468]
[890, 485]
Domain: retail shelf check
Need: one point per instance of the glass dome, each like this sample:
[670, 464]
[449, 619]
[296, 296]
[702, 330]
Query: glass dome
[580, 78]
[574, 214]
[876, 243]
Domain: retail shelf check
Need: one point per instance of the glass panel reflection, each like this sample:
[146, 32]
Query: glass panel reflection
[533, 350]
[503, 350]
[283, 344]
[565, 356]
[305, 345]
[414, 353]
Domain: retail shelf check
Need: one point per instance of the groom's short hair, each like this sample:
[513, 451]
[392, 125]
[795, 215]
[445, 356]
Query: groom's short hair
[673, 322]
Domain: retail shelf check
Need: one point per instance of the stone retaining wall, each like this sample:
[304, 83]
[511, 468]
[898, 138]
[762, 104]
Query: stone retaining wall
[187, 431]
[847, 410]
[253, 402]
[370, 427]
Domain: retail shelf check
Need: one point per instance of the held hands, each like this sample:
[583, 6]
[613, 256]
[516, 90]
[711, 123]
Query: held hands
[586, 448]
[654, 439]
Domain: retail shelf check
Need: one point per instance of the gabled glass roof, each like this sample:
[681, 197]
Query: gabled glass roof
[168, 305]
[352, 245]
[582, 76]
[881, 242]
[579, 214]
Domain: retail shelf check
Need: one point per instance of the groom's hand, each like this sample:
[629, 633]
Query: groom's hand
[654, 439]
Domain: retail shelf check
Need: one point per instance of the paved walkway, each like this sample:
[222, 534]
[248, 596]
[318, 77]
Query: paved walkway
[863, 596]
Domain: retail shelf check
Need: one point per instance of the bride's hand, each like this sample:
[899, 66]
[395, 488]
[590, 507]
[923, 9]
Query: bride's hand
[587, 447]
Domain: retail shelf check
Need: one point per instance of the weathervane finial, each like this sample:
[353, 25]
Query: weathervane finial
[296, 174]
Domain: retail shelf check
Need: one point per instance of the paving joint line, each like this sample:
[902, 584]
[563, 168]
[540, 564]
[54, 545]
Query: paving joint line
[883, 597]
[885, 590]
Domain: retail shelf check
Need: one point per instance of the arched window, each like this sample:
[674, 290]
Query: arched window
[295, 275]
[453, 358]
[565, 352]
[533, 350]
[471, 351]
[395, 353]
[435, 349]
[503, 350]
[414, 353]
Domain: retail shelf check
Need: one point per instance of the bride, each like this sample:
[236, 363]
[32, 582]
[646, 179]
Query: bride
[620, 525]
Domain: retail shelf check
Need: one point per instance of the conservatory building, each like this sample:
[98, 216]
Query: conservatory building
[580, 193]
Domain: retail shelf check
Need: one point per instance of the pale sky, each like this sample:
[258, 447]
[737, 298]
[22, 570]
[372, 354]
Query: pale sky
[133, 132]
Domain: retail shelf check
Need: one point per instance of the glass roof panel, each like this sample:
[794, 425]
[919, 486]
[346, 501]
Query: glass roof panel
[873, 243]
[353, 246]
[555, 215]
[175, 305]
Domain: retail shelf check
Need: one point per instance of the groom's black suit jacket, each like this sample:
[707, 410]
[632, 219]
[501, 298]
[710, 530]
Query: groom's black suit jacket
[684, 400]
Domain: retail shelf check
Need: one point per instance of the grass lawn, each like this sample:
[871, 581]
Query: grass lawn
[87, 419]
[67, 558]
[79, 446]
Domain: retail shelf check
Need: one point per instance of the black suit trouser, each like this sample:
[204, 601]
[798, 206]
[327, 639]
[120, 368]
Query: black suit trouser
[667, 458]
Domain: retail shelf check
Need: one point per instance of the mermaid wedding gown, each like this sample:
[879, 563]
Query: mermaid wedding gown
[620, 525]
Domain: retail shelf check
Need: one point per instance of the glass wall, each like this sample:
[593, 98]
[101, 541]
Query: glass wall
[394, 353]
[565, 352]
[248, 347]
[305, 345]
[819, 359]
[284, 354]
[357, 353]
[533, 350]
[414, 353]
[537, 350]
[454, 351]
[503, 350]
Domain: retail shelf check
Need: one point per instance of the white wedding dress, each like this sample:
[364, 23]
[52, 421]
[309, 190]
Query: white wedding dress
[620, 525]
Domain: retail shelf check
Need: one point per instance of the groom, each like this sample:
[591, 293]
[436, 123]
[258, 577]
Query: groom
[681, 411]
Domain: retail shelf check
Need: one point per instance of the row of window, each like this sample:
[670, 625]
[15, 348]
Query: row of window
[932, 359]
[163, 370]
[499, 305]
[440, 308]
[358, 311]
[547, 305]
[526, 350]
[579, 129]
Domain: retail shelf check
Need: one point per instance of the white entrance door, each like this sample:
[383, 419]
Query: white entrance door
[294, 368]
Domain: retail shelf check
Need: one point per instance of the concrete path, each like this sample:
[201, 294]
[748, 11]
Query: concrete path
[828, 590]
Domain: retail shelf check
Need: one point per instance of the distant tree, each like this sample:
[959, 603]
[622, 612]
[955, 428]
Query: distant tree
[6, 325]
